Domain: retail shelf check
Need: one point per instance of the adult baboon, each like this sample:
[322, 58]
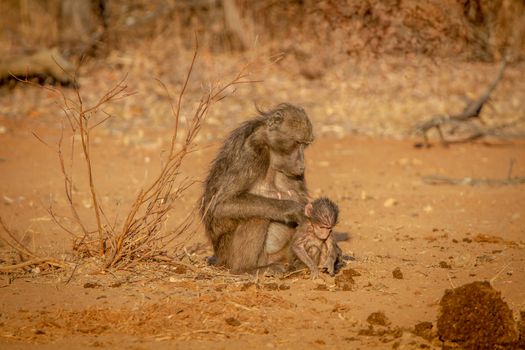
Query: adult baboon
[263, 155]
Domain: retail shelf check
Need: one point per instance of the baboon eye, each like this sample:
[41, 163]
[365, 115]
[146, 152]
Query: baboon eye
[303, 143]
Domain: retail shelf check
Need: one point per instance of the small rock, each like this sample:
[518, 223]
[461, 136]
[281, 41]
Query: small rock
[444, 265]
[378, 318]
[180, 269]
[232, 321]
[283, 286]
[92, 285]
[397, 273]
[390, 202]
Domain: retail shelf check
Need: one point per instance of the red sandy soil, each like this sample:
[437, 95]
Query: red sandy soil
[439, 236]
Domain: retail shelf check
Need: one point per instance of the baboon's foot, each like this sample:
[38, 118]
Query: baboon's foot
[212, 260]
[274, 270]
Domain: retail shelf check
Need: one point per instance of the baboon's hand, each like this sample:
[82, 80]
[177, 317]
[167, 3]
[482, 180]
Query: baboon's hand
[294, 213]
[314, 274]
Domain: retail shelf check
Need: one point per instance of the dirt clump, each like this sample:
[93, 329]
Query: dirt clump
[378, 318]
[444, 265]
[475, 316]
[345, 281]
[424, 330]
[397, 274]
[232, 321]
[274, 286]
[353, 273]
[380, 326]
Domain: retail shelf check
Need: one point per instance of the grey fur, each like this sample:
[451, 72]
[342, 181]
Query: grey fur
[235, 219]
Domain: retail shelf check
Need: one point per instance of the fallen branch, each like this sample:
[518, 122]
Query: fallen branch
[34, 262]
[470, 112]
[445, 180]
[25, 253]
[44, 63]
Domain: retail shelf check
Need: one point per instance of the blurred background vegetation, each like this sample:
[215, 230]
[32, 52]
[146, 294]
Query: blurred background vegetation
[467, 29]
[373, 67]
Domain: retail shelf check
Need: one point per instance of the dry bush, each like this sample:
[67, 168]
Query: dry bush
[140, 237]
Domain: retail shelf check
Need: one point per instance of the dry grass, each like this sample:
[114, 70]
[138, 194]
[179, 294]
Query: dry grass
[200, 317]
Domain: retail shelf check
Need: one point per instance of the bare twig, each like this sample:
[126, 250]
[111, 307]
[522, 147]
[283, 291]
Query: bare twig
[14, 243]
[32, 262]
[25, 253]
[295, 272]
[493, 279]
[445, 180]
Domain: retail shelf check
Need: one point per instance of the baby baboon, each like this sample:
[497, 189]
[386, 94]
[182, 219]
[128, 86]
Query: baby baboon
[262, 154]
[313, 242]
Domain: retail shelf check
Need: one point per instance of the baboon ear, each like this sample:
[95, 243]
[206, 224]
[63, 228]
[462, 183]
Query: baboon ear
[308, 210]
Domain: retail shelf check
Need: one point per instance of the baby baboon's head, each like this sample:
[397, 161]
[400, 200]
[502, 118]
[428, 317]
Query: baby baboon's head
[323, 214]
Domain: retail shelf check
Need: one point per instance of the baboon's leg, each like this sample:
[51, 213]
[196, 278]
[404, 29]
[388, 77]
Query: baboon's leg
[221, 248]
[247, 245]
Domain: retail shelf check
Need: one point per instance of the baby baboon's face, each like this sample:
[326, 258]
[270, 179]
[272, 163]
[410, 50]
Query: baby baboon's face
[322, 231]
[323, 215]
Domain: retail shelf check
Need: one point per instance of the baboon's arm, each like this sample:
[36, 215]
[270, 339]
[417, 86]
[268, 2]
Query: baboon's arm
[250, 205]
[331, 255]
[300, 252]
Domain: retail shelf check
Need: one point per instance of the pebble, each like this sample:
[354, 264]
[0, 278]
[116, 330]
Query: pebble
[390, 202]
